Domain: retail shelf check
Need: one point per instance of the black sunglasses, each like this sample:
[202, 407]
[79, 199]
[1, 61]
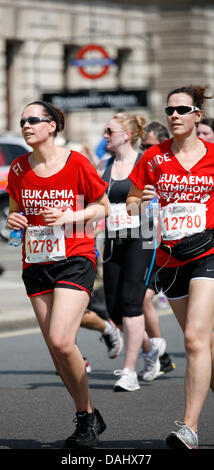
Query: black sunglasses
[33, 120]
[108, 131]
[169, 110]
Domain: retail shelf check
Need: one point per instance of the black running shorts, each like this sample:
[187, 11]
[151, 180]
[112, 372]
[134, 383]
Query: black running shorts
[76, 272]
[175, 281]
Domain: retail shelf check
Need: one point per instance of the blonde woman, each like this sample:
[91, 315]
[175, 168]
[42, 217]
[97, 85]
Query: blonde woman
[125, 261]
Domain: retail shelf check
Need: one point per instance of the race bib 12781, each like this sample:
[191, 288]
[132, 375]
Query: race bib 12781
[44, 244]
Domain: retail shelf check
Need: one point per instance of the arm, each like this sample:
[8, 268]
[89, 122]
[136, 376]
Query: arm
[95, 211]
[137, 196]
[15, 221]
[133, 200]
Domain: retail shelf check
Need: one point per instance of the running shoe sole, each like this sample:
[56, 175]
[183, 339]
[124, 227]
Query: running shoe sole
[175, 442]
[118, 388]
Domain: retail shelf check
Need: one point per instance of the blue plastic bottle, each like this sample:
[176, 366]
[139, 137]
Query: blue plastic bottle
[16, 236]
[152, 208]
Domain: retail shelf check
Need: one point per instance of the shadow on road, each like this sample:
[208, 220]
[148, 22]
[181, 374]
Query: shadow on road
[103, 445]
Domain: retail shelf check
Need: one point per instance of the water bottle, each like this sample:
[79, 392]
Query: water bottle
[152, 208]
[16, 236]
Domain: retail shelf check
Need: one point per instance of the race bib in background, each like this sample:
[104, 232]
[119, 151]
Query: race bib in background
[119, 219]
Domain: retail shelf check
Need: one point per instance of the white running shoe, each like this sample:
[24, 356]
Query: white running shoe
[160, 344]
[152, 366]
[113, 340]
[127, 382]
[185, 438]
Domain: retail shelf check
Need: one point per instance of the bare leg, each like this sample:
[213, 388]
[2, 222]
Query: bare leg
[212, 355]
[147, 344]
[60, 326]
[42, 305]
[92, 321]
[133, 330]
[196, 317]
[152, 323]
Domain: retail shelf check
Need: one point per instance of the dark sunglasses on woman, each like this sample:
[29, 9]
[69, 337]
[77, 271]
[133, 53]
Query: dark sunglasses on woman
[169, 110]
[33, 120]
[108, 131]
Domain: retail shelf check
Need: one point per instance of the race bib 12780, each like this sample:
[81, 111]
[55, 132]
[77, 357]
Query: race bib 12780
[182, 219]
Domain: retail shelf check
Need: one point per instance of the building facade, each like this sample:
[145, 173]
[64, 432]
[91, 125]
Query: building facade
[93, 57]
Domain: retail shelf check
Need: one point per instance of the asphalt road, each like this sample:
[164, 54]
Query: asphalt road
[37, 412]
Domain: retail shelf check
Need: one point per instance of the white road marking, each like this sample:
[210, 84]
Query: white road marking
[26, 331]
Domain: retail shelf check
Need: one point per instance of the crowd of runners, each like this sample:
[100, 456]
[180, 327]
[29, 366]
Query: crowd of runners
[73, 215]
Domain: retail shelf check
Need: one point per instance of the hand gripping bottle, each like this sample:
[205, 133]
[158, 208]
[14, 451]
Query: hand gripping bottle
[152, 208]
[16, 236]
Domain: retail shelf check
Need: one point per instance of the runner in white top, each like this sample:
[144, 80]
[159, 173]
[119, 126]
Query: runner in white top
[125, 262]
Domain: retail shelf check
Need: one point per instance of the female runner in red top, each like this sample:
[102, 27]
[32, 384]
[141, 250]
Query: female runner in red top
[61, 195]
[182, 172]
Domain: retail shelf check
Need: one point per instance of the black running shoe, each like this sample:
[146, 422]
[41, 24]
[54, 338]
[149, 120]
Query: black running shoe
[88, 427]
[166, 363]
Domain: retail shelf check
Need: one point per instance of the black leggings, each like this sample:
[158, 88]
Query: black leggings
[124, 276]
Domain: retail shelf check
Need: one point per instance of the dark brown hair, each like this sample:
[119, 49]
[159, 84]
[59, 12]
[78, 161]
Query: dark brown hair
[53, 113]
[197, 93]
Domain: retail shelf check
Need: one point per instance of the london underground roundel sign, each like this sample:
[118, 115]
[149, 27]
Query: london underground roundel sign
[85, 62]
